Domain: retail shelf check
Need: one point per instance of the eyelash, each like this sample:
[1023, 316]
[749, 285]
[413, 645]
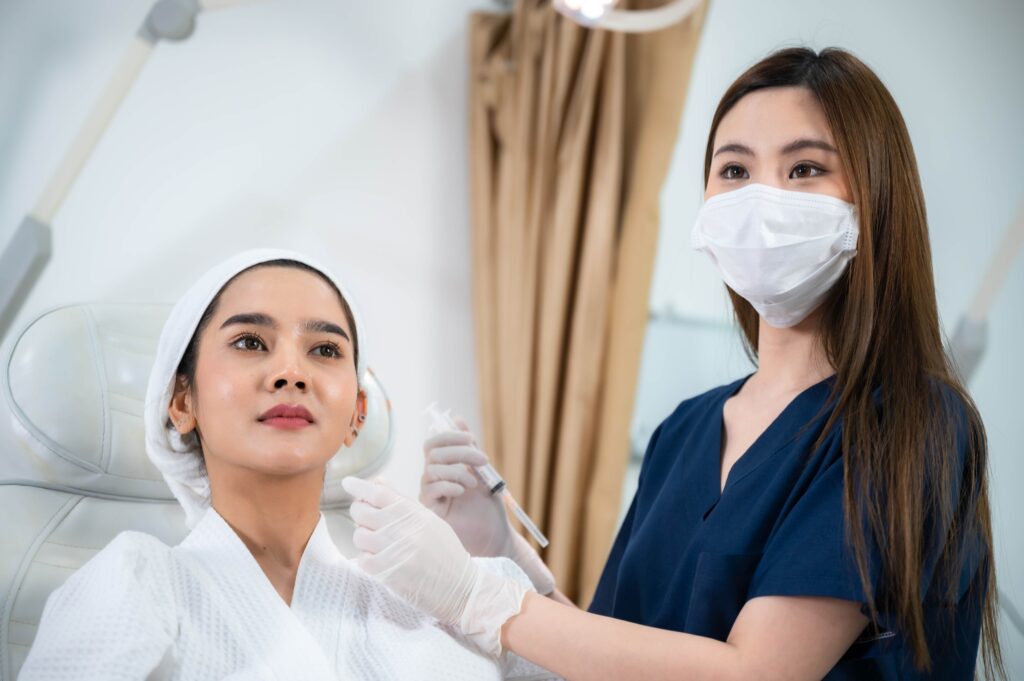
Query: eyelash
[725, 171]
[256, 337]
[249, 336]
[818, 170]
[334, 348]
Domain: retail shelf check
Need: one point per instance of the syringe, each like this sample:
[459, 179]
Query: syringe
[441, 421]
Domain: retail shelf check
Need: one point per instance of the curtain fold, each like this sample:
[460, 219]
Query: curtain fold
[571, 133]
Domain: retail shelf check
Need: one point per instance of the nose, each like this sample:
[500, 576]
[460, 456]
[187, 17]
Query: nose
[288, 371]
[283, 381]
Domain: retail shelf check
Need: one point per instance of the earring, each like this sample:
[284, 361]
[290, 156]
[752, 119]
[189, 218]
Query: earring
[355, 432]
[362, 418]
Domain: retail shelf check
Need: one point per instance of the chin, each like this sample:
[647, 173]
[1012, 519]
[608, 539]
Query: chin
[289, 459]
[286, 466]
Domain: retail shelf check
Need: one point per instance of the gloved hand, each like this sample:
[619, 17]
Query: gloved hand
[419, 557]
[452, 489]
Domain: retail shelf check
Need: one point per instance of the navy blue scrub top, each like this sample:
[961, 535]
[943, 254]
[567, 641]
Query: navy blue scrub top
[689, 556]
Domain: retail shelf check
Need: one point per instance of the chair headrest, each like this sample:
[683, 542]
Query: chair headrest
[75, 383]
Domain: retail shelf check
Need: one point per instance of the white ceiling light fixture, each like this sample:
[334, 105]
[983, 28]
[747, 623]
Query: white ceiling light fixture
[602, 14]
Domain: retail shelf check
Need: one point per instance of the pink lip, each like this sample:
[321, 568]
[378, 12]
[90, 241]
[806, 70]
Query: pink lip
[287, 416]
[286, 422]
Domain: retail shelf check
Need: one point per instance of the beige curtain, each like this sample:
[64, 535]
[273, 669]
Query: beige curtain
[571, 133]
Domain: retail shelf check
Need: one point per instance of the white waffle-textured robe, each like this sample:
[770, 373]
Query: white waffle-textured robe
[205, 610]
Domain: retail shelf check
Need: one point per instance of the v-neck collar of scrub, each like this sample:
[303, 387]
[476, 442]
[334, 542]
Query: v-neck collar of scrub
[770, 441]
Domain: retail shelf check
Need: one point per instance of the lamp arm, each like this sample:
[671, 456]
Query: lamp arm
[26, 253]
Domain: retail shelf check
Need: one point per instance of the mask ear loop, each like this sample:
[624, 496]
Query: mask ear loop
[852, 234]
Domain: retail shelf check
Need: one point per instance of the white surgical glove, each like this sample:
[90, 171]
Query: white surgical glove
[419, 557]
[452, 489]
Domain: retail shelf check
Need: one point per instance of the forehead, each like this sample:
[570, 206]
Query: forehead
[284, 293]
[772, 117]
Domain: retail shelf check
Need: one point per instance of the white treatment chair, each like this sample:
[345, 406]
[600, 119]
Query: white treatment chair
[74, 385]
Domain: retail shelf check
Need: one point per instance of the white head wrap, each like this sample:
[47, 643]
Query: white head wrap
[177, 457]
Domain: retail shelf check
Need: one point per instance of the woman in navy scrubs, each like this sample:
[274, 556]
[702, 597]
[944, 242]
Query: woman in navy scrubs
[826, 516]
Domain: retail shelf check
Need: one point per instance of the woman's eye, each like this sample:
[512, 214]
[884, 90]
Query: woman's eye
[734, 172]
[329, 350]
[806, 170]
[249, 342]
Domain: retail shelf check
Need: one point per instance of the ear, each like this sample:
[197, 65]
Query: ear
[181, 408]
[358, 419]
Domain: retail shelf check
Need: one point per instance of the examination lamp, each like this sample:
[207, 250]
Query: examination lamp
[27, 252]
[602, 14]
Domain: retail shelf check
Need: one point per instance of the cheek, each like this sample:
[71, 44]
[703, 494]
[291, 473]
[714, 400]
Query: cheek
[339, 396]
[716, 185]
[222, 397]
[221, 386]
[843, 190]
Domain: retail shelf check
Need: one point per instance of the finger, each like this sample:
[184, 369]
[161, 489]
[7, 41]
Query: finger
[372, 564]
[374, 493]
[442, 489]
[371, 517]
[360, 512]
[370, 541]
[462, 424]
[454, 472]
[361, 540]
[381, 480]
[462, 454]
[447, 438]
[390, 557]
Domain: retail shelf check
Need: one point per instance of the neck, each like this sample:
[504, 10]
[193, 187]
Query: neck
[791, 359]
[273, 515]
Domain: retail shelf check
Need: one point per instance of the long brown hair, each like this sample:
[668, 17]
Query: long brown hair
[880, 331]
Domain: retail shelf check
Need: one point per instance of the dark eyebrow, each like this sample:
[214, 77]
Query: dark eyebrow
[260, 319]
[796, 145]
[251, 318]
[733, 146]
[801, 144]
[320, 326]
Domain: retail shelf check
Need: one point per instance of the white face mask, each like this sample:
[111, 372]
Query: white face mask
[780, 250]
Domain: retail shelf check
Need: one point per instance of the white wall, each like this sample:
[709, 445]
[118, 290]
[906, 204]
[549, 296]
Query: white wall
[337, 128]
[955, 70]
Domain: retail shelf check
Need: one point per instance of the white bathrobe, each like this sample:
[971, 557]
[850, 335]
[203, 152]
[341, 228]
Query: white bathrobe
[205, 610]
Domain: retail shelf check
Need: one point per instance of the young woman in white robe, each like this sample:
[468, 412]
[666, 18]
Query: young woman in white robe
[256, 385]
